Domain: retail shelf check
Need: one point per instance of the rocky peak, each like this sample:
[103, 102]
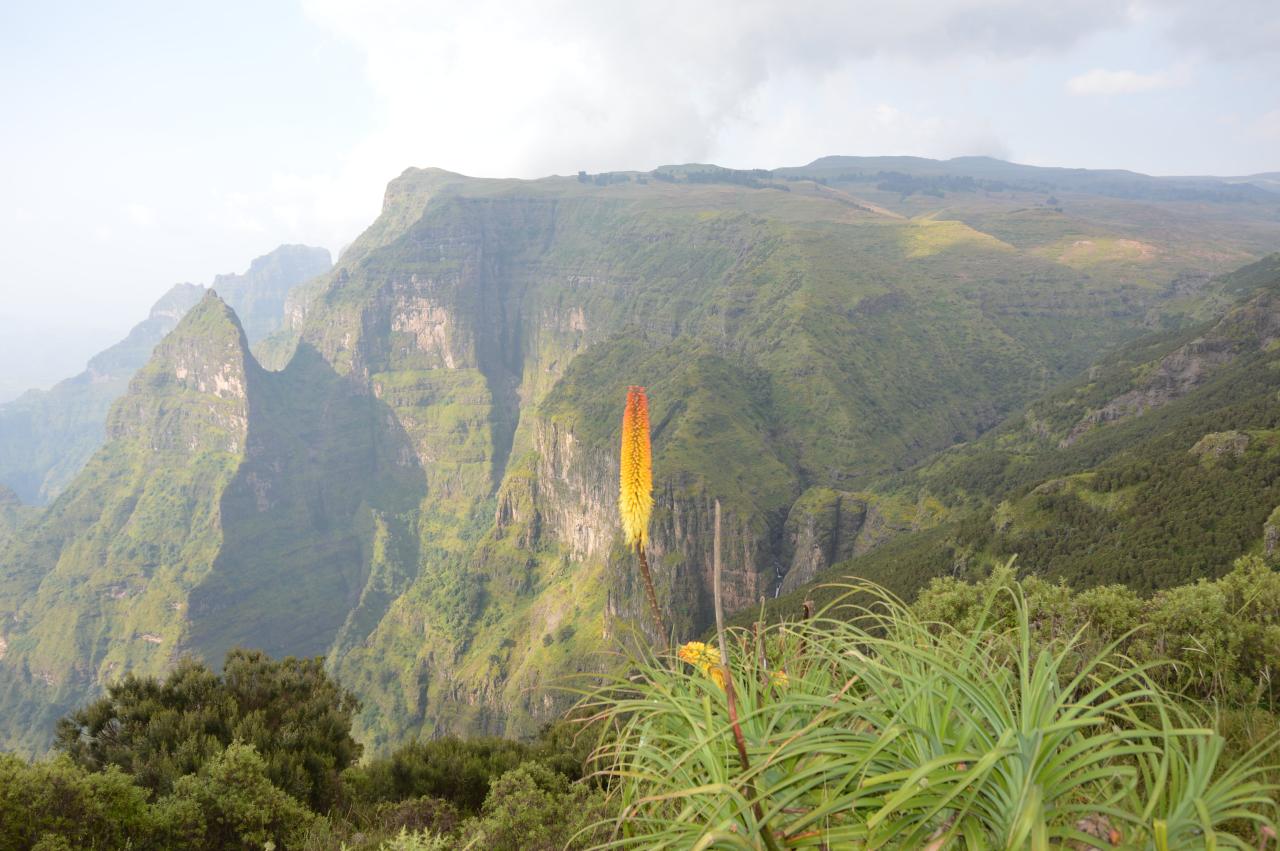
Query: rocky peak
[259, 294]
[174, 304]
[194, 387]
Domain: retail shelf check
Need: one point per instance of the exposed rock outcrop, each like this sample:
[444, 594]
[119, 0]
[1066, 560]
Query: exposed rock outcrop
[1221, 444]
[826, 527]
[1253, 326]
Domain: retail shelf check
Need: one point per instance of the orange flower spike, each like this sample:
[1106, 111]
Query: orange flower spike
[635, 499]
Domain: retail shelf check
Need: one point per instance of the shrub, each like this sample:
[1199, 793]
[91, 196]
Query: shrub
[532, 808]
[54, 802]
[456, 770]
[1220, 637]
[295, 716]
[232, 804]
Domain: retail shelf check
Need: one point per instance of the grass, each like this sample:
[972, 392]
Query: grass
[929, 236]
[868, 727]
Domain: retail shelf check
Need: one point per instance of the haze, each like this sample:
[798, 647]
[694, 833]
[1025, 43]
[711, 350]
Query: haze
[150, 143]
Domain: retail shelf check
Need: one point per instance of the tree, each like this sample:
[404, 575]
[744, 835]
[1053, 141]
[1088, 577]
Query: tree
[234, 804]
[297, 719]
[48, 801]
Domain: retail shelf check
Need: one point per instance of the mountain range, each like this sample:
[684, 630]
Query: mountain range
[899, 367]
[47, 436]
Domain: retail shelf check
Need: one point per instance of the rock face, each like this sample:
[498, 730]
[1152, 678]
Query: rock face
[1221, 444]
[425, 492]
[258, 295]
[822, 529]
[1271, 534]
[1254, 326]
[47, 437]
[826, 527]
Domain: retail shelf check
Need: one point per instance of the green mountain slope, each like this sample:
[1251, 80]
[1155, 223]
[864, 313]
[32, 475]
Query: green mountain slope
[1159, 466]
[425, 492]
[46, 437]
[13, 514]
[228, 505]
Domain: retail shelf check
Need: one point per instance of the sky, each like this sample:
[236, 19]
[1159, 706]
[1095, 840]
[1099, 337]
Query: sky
[148, 143]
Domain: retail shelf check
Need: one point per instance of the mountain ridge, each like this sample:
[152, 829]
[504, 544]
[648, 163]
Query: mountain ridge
[424, 491]
[47, 436]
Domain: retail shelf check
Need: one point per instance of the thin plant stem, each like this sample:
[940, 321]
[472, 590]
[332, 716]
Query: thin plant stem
[738, 739]
[648, 590]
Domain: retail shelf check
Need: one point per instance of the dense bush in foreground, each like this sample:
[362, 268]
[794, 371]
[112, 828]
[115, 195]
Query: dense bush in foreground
[1004, 714]
[1220, 636]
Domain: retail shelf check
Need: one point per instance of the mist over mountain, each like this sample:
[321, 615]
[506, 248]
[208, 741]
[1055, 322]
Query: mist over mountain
[47, 436]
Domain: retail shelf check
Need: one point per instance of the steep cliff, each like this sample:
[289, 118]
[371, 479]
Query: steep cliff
[47, 437]
[788, 340]
[426, 489]
[96, 586]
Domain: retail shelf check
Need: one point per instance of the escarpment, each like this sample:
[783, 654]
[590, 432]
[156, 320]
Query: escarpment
[424, 487]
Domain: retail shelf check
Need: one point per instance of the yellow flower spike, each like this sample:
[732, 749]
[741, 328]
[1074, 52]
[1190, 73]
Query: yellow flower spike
[779, 679]
[635, 498]
[703, 657]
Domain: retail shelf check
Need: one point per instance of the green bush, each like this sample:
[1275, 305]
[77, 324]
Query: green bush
[533, 808]
[56, 801]
[461, 771]
[290, 711]
[1215, 640]
[232, 804]
[452, 769]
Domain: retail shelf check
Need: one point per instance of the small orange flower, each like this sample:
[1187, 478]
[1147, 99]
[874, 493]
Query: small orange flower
[706, 659]
[779, 679]
[635, 496]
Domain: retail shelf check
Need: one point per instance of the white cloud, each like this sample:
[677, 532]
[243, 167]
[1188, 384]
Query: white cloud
[140, 214]
[1234, 31]
[495, 88]
[492, 88]
[1101, 81]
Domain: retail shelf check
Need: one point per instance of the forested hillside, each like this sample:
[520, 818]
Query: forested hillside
[423, 491]
[1157, 466]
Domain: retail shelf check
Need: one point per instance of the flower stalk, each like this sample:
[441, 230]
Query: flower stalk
[635, 491]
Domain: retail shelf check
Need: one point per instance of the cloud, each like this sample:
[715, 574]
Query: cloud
[140, 214]
[1101, 81]
[1242, 30]
[492, 88]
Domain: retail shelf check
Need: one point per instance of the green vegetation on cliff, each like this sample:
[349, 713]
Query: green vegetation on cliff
[1159, 466]
[424, 492]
